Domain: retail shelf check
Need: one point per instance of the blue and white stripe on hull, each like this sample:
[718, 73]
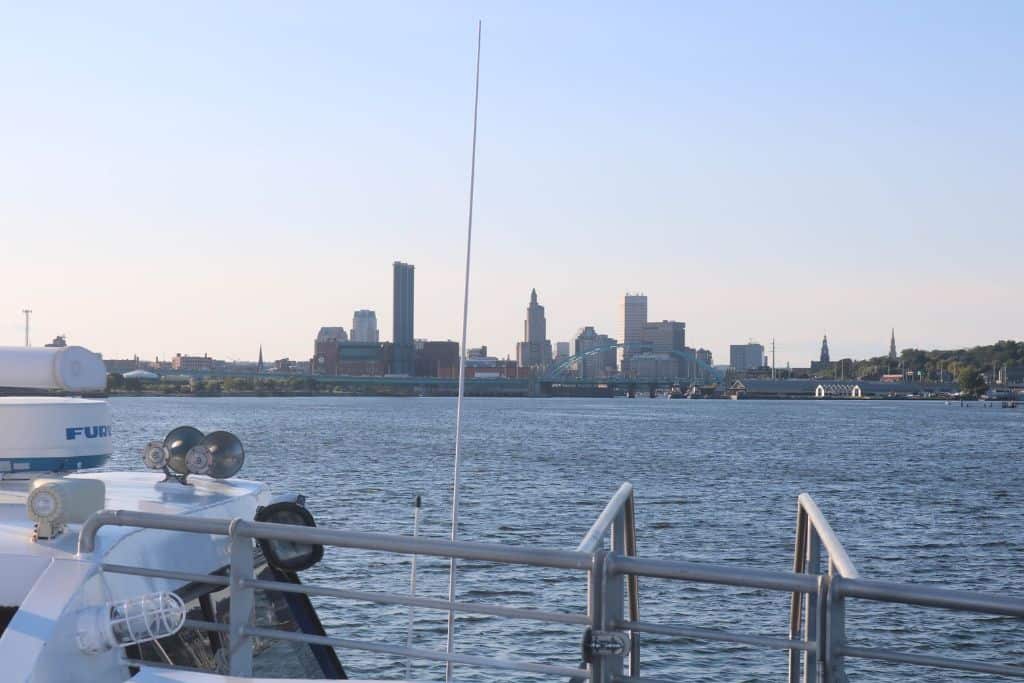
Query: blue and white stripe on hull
[67, 464]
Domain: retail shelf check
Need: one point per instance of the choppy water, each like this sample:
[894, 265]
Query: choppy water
[918, 492]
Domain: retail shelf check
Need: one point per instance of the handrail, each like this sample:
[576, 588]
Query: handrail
[836, 552]
[591, 541]
[493, 552]
[816, 651]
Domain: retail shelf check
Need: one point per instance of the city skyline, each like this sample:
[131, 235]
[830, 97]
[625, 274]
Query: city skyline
[712, 161]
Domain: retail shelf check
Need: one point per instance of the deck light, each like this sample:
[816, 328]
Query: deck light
[155, 455]
[130, 622]
[288, 556]
[54, 503]
[178, 443]
[219, 455]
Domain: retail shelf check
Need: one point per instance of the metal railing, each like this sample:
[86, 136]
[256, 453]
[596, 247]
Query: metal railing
[816, 642]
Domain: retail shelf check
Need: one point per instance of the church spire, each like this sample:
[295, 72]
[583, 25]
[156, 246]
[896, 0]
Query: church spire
[892, 346]
[824, 349]
[259, 363]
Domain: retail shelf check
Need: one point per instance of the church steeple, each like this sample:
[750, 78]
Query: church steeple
[824, 349]
[259, 363]
[892, 346]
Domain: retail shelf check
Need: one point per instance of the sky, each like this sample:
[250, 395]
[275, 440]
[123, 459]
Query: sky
[211, 177]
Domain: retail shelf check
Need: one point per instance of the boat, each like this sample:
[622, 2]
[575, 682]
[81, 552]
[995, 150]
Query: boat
[179, 571]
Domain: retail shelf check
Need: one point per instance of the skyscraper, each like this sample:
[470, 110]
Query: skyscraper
[402, 320]
[598, 354]
[535, 349]
[634, 319]
[364, 327]
[746, 356]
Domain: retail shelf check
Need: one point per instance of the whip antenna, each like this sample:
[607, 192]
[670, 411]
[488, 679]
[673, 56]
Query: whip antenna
[462, 369]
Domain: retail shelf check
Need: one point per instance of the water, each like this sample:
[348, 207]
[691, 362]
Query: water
[919, 492]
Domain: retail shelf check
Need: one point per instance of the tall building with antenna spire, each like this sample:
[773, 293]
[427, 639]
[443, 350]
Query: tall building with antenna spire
[892, 346]
[535, 349]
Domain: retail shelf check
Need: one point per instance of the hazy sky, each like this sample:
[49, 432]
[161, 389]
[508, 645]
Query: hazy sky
[208, 177]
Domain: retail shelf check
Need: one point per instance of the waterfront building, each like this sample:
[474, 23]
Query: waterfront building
[122, 365]
[402, 319]
[634, 319]
[601, 361]
[488, 367]
[325, 350]
[665, 337]
[361, 359]
[535, 349]
[649, 365]
[743, 357]
[704, 356]
[437, 358]
[477, 352]
[364, 326]
[201, 363]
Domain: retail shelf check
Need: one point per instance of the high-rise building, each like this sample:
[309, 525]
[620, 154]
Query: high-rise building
[634, 319]
[666, 336]
[744, 357]
[598, 354]
[535, 349]
[402, 320]
[562, 351]
[364, 326]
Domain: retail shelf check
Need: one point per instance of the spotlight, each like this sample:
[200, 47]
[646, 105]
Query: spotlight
[288, 556]
[178, 442]
[155, 455]
[219, 455]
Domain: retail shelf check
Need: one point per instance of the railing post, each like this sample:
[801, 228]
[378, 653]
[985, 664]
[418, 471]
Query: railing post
[604, 656]
[616, 583]
[633, 586]
[836, 632]
[796, 600]
[242, 603]
[811, 623]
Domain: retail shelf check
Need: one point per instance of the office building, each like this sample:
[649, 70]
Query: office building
[562, 351]
[402, 319]
[598, 354]
[325, 350]
[634, 318]
[535, 349]
[744, 357]
[364, 326]
[437, 358]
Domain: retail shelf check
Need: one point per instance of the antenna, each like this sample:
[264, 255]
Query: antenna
[462, 368]
[28, 314]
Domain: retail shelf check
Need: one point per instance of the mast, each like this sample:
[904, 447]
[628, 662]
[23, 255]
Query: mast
[462, 367]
